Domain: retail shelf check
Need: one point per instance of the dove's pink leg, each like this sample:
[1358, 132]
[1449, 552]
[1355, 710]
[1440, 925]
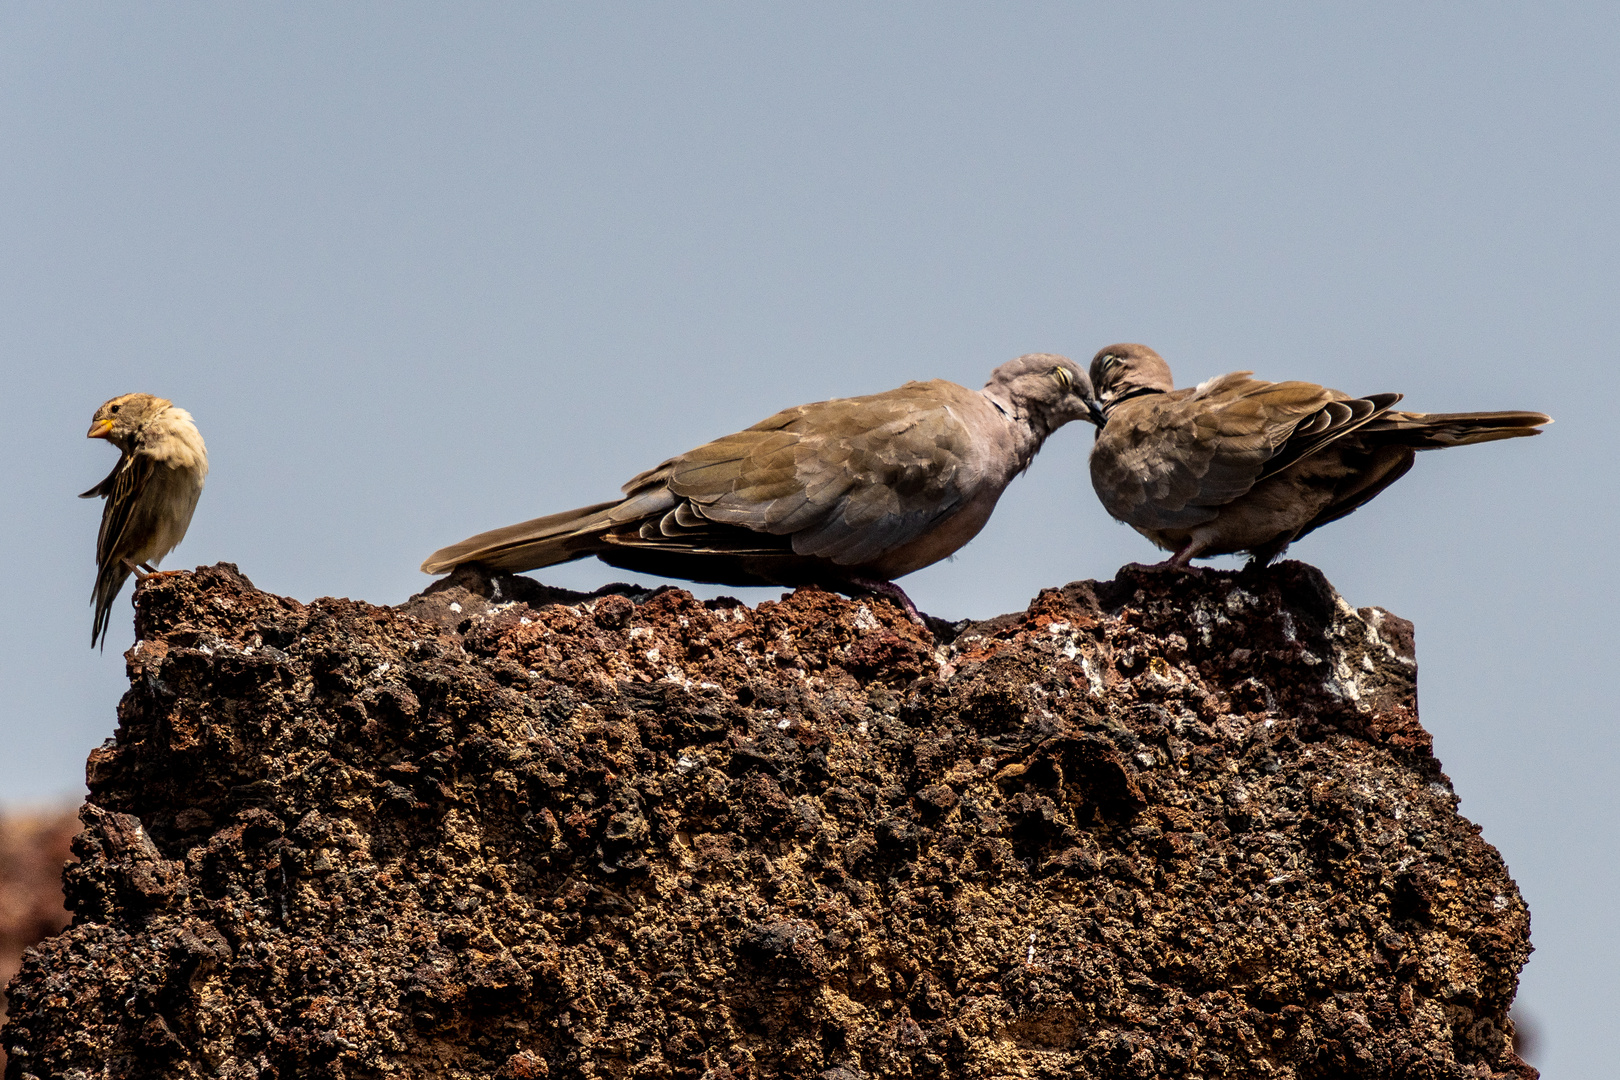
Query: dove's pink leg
[1182, 559]
[889, 590]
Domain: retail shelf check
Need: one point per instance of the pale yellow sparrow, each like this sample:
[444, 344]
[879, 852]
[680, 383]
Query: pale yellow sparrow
[150, 493]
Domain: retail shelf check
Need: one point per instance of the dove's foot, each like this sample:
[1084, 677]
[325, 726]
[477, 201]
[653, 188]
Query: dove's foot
[1182, 560]
[890, 591]
[1165, 566]
[1168, 566]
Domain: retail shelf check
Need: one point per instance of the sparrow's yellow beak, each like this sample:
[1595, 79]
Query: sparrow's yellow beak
[100, 429]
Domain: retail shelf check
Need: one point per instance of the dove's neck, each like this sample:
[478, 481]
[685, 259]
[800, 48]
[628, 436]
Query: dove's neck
[1130, 395]
[1019, 431]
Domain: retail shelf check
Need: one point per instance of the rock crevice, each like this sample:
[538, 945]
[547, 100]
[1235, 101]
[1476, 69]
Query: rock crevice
[1167, 825]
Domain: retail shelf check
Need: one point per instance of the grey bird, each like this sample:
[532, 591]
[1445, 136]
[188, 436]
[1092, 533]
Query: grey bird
[150, 493]
[848, 494]
[1237, 464]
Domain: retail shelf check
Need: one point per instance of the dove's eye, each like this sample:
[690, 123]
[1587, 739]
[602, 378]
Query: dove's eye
[1064, 379]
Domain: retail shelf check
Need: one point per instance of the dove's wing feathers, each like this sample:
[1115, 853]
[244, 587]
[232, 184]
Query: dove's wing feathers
[1176, 458]
[845, 480]
[848, 479]
[1337, 418]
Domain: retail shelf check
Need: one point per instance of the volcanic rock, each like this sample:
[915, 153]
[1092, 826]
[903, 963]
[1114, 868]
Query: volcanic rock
[33, 846]
[1168, 825]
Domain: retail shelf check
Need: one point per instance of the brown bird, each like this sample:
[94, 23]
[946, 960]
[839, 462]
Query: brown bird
[150, 493]
[849, 493]
[1239, 464]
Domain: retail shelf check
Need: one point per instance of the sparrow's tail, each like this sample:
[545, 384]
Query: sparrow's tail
[547, 541]
[1435, 431]
[109, 582]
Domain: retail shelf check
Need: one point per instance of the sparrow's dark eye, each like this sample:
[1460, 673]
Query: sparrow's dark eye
[113, 409]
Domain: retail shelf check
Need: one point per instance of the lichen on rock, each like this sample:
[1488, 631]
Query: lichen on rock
[1169, 825]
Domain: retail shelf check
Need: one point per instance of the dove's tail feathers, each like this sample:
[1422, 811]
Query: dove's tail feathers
[1435, 431]
[529, 545]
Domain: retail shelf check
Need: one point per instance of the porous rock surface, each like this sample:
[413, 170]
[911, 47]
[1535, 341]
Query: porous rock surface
[1168, 825]
[33, 847]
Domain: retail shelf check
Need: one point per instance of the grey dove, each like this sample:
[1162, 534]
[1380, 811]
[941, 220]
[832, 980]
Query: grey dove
[150, 493]
[1237, 464]
[848, 494]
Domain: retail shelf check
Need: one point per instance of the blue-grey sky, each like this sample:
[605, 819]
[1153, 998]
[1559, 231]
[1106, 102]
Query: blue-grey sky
[422, 270]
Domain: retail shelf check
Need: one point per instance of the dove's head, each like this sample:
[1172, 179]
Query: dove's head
[1122, 371]
[1045, 389]
[120, 420]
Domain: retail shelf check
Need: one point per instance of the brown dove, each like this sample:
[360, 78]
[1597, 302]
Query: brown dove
[150, 493]
[848, 494]
[1239, 464]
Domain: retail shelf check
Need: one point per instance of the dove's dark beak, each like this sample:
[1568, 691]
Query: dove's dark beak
[1098, 417]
